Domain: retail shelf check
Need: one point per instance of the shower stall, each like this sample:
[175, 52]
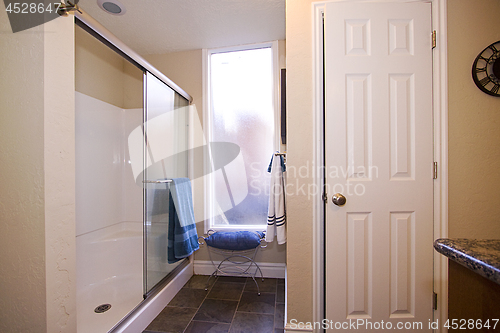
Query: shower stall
[131, 139]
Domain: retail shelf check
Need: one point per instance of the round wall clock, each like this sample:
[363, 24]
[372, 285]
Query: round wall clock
[486, 70]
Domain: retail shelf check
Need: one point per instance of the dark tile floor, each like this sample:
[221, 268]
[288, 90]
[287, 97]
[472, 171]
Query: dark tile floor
[231, 305]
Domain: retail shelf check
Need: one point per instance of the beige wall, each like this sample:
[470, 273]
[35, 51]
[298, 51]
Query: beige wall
[185, 69]
[22, 241]
[103, 74]
[37, 271]
[474, 123]
[300, 149]
[59, 169]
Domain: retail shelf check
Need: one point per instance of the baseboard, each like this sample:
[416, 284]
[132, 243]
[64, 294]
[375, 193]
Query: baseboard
[269, 269]
[298, 327]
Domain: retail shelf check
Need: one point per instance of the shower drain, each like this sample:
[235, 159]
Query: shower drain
[102, 308]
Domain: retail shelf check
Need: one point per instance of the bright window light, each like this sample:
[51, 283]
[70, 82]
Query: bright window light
[242, 112]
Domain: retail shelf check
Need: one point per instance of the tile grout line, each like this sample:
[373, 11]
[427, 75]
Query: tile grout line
[190, 322]
[194, 315]
[275, 293]
[276, 308]
[206, 297]
[237, 305]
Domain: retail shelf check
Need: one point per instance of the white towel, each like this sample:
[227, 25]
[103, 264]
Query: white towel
[276, 214]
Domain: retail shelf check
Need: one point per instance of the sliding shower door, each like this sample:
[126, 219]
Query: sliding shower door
[165, 158]
[109, 204]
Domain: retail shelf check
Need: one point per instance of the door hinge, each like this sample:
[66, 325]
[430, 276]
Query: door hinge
[435, 301]
[435, 170]
[433, 38]
[325, 197]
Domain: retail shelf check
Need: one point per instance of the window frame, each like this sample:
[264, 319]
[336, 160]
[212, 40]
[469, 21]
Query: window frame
[207, 122]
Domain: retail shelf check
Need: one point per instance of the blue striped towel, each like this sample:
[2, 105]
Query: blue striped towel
[276, 214]
[182, 234]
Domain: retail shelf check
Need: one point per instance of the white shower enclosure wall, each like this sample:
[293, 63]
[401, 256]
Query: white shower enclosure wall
[121, 237]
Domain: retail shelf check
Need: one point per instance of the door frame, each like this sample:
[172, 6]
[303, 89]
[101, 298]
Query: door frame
[440, 131]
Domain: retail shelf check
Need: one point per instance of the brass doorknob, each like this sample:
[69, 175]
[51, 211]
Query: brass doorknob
[339, 199]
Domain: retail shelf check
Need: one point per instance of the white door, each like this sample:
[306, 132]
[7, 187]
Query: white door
[379, 155]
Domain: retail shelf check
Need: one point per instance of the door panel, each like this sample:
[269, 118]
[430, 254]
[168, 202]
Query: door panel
[165, 139]
[379, 155]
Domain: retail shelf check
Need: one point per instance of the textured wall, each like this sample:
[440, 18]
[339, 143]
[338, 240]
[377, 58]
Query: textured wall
[300, 150]
[59, 171]
[37, 268]
[474, 120]
[22, 242]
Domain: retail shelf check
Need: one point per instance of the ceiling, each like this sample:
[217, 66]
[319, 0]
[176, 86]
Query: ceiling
[164, 26]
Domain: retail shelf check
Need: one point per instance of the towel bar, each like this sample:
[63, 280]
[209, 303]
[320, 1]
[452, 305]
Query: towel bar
[157, 181]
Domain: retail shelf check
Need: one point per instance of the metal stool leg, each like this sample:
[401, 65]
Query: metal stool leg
[235, 263]
[214, 274]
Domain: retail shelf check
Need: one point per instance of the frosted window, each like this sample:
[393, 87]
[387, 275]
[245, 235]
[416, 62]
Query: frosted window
[243, 113]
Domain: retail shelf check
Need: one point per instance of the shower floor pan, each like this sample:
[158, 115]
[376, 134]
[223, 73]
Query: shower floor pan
[123, 293]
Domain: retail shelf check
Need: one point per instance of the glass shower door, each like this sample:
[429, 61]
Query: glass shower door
[109, 204]
[165, 158]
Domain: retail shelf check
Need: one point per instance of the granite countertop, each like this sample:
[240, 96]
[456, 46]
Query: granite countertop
[479, 255]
